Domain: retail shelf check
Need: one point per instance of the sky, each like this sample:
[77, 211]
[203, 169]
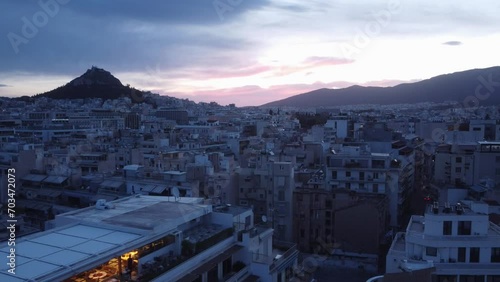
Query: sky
[247, 52]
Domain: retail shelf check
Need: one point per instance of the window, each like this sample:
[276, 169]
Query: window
[493, 278]
[328, 204]
[471, 278]
[328, 222]
[458, 169]
[497, 159]
[474, 255]
[280, 180]
[334, 174]
[347, 174]
[328, 214]
[447, 227]
[375, 188]
[375, 175]
[495, 254]
[361, 175]
[302, 233]
[461, 255]
[446, 278]
[458, 160]
[429, 251]
[281, 195]
[464, 227]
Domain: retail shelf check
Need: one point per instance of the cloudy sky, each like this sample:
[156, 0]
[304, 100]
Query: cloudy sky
[247, 52]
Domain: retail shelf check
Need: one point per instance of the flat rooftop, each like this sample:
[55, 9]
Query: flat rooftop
[143, 212]
[62, 251]
[234, 210]
[91, 236]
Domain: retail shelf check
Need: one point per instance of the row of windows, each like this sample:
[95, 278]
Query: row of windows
[375, 175]
[474, 254]
[463, 228]
[466, 278]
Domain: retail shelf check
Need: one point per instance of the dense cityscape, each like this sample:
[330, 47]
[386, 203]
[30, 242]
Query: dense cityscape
[153, 188]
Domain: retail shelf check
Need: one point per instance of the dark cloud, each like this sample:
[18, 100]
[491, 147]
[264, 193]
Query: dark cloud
[185, 12]
[117, 35]
[453, 43]
[4, 85]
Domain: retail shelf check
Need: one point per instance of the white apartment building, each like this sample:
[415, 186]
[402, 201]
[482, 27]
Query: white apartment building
[150, 238]
[458, 241]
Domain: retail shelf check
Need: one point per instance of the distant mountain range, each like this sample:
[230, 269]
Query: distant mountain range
[450, 87]
[94, 83]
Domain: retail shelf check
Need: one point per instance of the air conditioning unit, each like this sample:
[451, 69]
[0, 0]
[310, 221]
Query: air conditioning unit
[101, 204]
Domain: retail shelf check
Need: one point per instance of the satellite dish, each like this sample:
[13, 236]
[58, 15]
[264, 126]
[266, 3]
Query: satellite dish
[264, 218]
[175, 192]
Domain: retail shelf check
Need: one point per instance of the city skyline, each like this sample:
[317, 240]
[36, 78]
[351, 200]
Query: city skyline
[243, 52]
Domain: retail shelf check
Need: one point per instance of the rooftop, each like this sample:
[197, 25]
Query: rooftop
[65, 250]
[234, 210]
[135, 212]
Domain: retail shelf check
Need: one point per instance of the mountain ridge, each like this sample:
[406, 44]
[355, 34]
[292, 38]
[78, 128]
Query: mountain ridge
[446, 87]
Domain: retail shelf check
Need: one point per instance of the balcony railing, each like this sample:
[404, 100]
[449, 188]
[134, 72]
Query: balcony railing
[289, 254]
[190, 252]
[237, 276]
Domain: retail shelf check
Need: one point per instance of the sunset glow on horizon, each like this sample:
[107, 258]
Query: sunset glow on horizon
[251, 53]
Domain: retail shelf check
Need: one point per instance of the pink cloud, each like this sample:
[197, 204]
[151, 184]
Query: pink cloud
[311, 63]
[253, 95]
[221, 71]
[214, 73]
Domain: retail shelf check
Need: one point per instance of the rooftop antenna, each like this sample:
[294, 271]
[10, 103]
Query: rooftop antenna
[176, 193]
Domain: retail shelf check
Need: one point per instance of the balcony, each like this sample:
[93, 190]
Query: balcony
[239, 272]
[352, 165]
[200, 246]
[284, 254]
[288, 256]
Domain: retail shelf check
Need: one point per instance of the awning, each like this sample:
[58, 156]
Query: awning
[48, 193]
[34, 177]
[478, 189]
[55, 179]
[147, 188]
[35, 205]
[111, 184]
[158, 189]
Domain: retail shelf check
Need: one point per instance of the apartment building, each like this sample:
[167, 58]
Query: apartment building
[121, 240]
[268, 187]
[354, 167]
[457, 240]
